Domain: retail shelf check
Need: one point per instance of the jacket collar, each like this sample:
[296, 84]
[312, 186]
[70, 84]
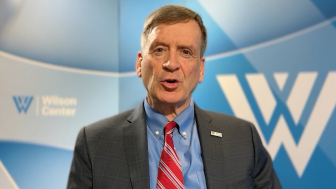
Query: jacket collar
[136, 145]
[212, 150]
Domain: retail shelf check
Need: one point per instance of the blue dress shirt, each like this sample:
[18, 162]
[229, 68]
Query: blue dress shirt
[186, 143]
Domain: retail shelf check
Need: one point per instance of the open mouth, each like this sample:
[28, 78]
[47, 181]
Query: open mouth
[171, 81]
[170, 84]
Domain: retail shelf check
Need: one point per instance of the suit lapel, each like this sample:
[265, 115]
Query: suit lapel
[136, 145]
[212, 150]
[135, 141]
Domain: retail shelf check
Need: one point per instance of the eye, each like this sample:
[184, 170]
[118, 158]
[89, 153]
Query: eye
[159, 51]
[186, 53]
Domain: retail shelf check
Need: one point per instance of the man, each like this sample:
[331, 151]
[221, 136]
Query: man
[168, 142]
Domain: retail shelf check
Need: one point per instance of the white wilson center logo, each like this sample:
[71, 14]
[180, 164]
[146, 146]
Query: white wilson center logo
[299, 153]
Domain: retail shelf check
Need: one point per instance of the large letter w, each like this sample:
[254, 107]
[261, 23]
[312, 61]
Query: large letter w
[301, 152]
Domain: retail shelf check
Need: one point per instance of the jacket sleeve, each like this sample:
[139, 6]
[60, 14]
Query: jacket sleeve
[265, 176]
[81, 170]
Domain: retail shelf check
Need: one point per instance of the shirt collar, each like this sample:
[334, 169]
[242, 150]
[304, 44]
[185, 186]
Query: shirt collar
[156, 121]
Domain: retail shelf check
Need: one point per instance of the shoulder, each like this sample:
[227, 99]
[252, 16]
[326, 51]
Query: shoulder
[221, 118]
[110, 124]
[233, 126]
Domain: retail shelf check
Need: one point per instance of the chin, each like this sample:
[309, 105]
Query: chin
[172, 99]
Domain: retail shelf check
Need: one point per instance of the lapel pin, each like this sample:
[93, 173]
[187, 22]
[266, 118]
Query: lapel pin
[217, 134]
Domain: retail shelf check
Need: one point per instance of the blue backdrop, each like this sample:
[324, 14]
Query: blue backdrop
[65, 64]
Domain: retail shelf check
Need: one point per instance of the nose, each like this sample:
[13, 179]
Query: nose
[172, 63]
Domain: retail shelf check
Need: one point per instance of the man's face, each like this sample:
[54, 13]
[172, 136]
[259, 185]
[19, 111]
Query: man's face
[170, 63]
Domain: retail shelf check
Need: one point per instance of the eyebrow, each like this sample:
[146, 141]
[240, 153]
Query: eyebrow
[157, 43]
[191, 47]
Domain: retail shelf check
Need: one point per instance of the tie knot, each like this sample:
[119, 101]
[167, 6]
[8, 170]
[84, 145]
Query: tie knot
[169, 127]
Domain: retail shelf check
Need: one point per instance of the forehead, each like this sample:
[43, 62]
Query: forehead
[184, 33]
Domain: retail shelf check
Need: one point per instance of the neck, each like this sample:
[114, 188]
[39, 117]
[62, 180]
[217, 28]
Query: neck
[169, 110]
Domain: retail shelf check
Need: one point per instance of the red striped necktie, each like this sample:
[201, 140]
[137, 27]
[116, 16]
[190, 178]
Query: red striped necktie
[170, 172]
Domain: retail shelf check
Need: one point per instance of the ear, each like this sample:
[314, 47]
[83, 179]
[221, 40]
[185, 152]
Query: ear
[138, 64]
[200, 79]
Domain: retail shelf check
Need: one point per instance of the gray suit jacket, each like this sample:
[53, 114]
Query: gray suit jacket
[113, 153]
